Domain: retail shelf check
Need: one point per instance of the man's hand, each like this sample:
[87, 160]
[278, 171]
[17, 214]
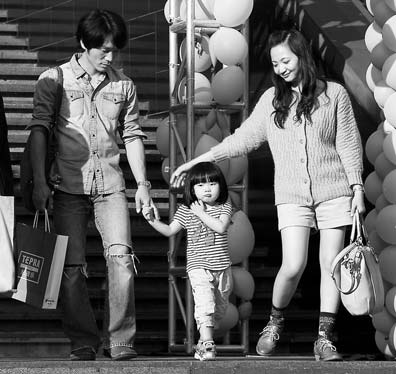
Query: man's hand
[41, 196]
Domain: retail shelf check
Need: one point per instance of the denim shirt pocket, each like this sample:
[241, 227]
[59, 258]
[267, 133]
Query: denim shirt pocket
[112, 104]
[72, 103]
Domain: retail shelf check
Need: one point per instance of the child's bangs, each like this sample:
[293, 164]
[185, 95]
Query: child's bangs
[205, 176]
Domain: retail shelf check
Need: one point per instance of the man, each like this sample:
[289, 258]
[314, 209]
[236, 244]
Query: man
[98, 101]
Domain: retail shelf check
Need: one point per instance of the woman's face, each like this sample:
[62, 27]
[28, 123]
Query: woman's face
[285, 63]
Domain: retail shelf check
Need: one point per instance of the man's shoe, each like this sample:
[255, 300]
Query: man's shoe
[269, 337]
[120, 353]
[83, 354]
[324, 350]
[205, 351]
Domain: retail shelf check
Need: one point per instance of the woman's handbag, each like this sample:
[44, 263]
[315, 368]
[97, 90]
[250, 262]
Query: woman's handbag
[40, 260]
[7, 266]
[361, 285]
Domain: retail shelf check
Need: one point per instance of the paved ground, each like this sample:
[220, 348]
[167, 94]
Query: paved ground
[174, 365]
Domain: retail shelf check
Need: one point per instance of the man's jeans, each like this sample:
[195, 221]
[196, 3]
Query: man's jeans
[71, 215]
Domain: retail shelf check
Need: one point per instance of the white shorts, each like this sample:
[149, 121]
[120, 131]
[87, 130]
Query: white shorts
[325, 215]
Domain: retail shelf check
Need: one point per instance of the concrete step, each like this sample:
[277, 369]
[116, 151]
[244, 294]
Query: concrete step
[9, 55]
[13, 41]
[30, 71]
[8, 28]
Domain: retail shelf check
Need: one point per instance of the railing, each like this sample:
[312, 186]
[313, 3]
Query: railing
[50, 27]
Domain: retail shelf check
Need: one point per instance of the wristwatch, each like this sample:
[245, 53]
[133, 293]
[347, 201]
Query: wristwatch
[144, 183]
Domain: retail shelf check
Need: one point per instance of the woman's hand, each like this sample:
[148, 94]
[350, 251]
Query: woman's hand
[179, 175]
[358, 202]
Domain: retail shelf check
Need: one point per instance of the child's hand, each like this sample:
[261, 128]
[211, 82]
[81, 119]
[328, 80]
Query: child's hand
[197, 207]
[150, 213]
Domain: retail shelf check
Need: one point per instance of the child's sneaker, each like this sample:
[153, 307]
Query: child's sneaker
[324, 350]
[270, 336]
[205, 351]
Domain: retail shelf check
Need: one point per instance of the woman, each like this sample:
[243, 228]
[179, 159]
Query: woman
[309, 125]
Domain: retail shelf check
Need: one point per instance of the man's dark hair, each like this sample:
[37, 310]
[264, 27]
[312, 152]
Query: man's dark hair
[99, 24]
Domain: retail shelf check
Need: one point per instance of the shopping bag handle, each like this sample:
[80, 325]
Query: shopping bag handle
[47, 227]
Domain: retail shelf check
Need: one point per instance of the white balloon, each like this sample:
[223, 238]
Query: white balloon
[201, 53]
[202, 90]
[373, 36]
[389, 33]
[200, 13]
[373, 75]
[232, 13]
[387, 127]
[389, 71]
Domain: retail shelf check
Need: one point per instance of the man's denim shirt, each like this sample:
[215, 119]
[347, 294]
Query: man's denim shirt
[87, 126]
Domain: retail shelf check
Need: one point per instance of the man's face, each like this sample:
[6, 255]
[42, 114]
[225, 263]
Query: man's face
[101, 58]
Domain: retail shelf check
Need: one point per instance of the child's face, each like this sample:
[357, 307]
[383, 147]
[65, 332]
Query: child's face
[208, 192]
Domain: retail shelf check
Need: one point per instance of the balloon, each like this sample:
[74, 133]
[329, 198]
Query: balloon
[389, 187]
[392, 339]
[391, 4]
[381, 13]
[235, 199]
[389, 71]
[240, 237]
[373, 145]
[389, 147]
[383, 321]
[229, 320]
[373, 36]
[387, 264]
[379, 54]
[165, 168]
[211, 49]
[205, 12]
[387, 127]
[381, 202]
[238, 167]
[202, 90]
[381, 342]
[202, 60]
[162, 134]
[389, 33]
[243, 283]
[373, 75]
[387, 286]
[373, 187]
[390, 301]
[386, 225]
[383, 166]
[370, 4]
[370, 220]
[376, 242]
[210, 119]
[245, 310]
[228, 85]
[229, 46]
[167, 10]
[232, 13]
[205, 143]
[382, 91]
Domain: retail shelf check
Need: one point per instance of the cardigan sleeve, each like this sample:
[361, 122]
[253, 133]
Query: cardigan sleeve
[348, 142]
[250, 135]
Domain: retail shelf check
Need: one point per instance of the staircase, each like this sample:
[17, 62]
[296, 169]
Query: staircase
[27, 332]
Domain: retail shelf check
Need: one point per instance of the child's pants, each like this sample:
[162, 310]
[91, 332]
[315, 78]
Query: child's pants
[211, 290]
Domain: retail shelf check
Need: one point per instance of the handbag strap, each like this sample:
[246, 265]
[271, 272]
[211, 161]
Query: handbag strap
[47, 227]
[358, 233]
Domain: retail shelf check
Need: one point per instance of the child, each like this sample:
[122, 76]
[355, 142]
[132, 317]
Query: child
[206, 215]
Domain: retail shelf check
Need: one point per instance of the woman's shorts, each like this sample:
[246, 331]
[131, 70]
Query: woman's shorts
[325, 215]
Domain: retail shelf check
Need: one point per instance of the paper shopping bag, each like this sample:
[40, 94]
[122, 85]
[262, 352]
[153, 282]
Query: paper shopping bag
[39, 268]
[7, 265]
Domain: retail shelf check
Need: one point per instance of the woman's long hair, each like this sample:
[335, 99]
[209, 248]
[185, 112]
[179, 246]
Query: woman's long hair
[201, 173]
[307, 76]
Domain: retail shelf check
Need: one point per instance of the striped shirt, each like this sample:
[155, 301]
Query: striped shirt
[206, 249]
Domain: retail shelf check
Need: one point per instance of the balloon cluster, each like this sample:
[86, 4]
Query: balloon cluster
[213, 82]
[240, 246]
[380, 185]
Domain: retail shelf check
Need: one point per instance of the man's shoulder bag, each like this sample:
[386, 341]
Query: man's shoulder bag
[361, 285]
[26, 171]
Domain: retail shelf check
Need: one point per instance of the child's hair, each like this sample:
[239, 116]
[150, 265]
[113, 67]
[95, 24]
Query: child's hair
[201, 173]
